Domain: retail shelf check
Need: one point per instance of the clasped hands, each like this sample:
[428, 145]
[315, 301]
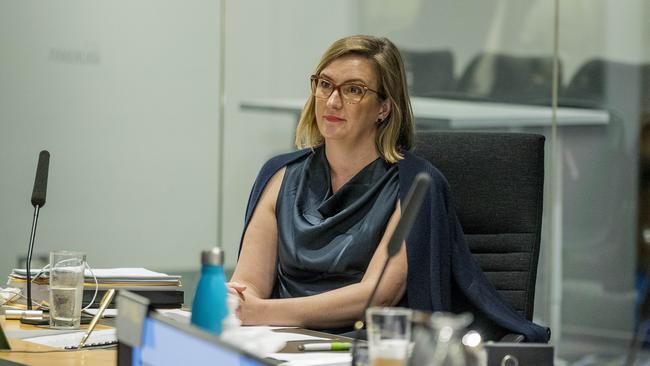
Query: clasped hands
[248, 309]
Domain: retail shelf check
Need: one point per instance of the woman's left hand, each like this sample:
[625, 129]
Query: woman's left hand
[237, 289]
[250, 309]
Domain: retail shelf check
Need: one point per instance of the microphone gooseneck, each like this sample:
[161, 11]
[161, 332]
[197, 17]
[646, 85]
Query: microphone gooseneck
[410, 209]
[38, 201]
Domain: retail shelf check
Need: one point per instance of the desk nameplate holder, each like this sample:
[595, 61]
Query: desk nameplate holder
[518, 354]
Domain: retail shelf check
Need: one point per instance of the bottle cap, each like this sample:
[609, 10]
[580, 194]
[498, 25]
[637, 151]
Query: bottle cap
[212, 257]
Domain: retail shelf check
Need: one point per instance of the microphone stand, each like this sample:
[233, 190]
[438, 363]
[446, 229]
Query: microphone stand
[29, 257]
[412, 203]
[38, 201]
[359, 324]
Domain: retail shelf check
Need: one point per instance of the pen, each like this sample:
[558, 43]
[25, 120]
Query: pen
[19, 314]
[332, 346]
[108, 296]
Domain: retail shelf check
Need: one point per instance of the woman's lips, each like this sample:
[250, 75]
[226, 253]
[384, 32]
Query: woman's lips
[331, 118]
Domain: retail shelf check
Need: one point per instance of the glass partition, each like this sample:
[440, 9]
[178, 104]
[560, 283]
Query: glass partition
[489, 66]
[603, 47]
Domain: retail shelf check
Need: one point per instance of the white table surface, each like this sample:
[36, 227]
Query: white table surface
[465, 114]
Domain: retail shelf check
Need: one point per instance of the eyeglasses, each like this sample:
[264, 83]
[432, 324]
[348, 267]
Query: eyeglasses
[352, 93]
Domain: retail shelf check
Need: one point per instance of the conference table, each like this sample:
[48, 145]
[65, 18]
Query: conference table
[453, 114]
[48, 356]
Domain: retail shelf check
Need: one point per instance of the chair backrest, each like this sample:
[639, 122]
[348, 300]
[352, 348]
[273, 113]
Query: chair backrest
[601, 83]
[429, 73]
[497, 181]
[508, 78]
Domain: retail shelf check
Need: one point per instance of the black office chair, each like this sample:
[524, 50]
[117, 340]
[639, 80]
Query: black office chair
[611, 85]
[497, 182]
[429, 73]
[510, 79]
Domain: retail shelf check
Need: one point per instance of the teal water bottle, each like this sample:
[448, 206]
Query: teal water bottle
[209, 307]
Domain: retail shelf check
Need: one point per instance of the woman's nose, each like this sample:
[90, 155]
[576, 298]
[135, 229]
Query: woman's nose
[335, 100]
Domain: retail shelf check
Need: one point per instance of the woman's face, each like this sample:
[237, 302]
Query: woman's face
[351, 124]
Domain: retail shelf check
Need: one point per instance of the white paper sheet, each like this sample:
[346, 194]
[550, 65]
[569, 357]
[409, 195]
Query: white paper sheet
[254, 331]
[262, 340]
[73, 339]
[39, 331]
[108, 313]
[290, 336]
[313, 358]
[114, 273]
[179, 315]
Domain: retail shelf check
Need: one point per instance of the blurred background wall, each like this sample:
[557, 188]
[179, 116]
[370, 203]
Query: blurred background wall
[126, 97]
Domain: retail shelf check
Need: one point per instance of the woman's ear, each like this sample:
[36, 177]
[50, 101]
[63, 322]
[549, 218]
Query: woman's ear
[384, 110]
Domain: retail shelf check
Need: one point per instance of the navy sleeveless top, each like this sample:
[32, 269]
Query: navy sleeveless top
[326, 239]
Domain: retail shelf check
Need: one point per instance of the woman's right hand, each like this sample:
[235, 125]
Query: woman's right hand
[249, 303]
[236, 288]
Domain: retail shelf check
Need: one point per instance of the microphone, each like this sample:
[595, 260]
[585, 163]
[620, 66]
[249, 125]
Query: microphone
[38, 201]
[410, 209]
[412, 203]
[40, 182]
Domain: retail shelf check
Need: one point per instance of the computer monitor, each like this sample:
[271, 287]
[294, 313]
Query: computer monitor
[149, 338]
[167, 342]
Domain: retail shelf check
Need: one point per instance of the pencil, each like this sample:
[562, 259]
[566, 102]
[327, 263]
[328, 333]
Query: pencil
[108, 296]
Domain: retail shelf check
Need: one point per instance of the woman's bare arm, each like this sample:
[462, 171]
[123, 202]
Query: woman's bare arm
[255, 268]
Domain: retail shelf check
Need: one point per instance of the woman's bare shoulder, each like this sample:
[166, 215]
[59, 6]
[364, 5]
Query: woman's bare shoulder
[272, 189]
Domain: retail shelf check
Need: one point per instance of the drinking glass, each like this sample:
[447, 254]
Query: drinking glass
[441, 339]
[389, 335]
[448, 349]
[66, 288]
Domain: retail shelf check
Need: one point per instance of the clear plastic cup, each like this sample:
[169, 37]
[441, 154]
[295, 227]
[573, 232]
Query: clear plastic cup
[66, 288]
[389, 335]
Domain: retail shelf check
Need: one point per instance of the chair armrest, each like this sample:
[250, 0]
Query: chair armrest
[513, 338]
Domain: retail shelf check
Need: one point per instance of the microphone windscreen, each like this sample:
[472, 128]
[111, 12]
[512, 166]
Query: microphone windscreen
[412, 204]
[40, 182]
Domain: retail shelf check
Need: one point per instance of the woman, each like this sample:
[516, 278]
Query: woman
[319, 219]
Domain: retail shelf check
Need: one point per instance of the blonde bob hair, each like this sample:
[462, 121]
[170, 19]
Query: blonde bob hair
[395, 132]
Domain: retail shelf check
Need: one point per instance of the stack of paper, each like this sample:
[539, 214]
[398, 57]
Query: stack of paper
[163, 290]
[125, 278]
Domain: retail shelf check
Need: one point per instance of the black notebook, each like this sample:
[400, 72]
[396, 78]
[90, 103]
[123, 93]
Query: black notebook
[165, 299]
